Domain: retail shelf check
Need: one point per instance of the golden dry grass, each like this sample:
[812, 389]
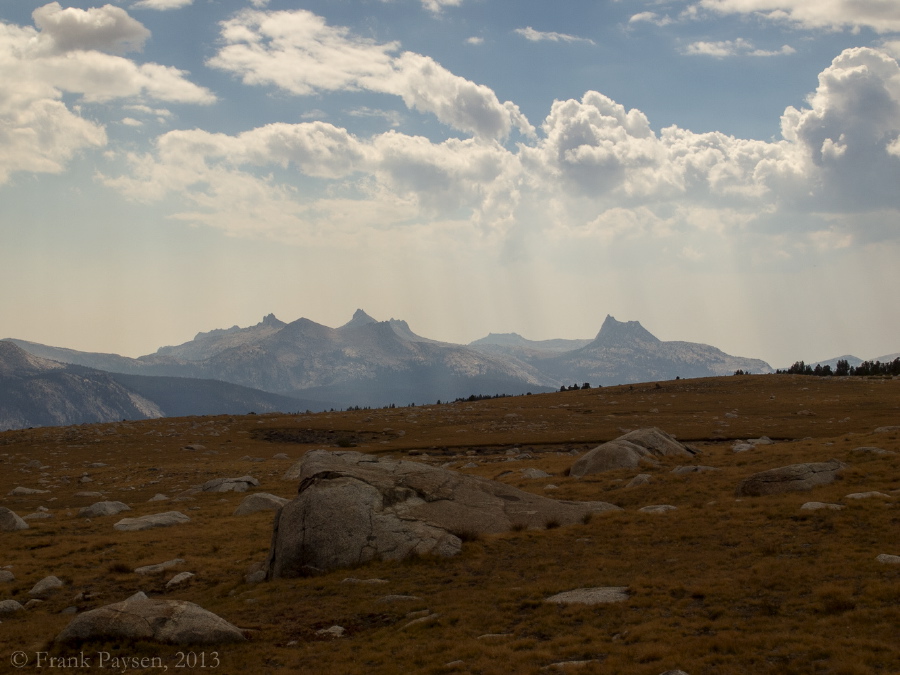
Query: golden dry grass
[720, 585]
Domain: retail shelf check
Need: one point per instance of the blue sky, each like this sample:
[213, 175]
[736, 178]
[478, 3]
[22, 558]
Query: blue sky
[724, 171]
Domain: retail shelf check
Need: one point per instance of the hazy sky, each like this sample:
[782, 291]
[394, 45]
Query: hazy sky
[724, 171]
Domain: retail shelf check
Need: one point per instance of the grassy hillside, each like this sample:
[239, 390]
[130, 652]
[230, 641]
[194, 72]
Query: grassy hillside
[721, 585]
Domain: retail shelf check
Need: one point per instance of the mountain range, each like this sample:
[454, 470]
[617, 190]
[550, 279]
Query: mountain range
[304, 365]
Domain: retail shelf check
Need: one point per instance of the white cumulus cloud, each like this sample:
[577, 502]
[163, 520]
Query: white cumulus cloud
[162, 5]
[882, 16]
[298, 52]
[533, 35]
[77, 52]
[739, 47]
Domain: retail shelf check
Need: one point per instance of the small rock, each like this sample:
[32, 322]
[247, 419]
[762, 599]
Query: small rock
[888, 559]
[591, 596]
[179, 579]
[490, 636]
[657, 508]
[10, 606]
[565, 665]
[40, 515]
[6, 575]
[146, 522]
[158, 497]
[260, 501]
[420, 620]
[637, 481]
[551, 486]
[742, 447]
[874, 451]
[886, 430]
[866, 495]
[469, 465]
[693, 469]
[34, 602]
[280, 455]
[21, 491]
[534, 473]
[88, 494]
[333, 632]
[103, 509]
[762, 440]
[815, 506]
[159, 567]
[45, 587]
[241, 484]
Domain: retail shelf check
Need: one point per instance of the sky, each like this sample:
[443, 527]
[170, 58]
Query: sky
[723, 171]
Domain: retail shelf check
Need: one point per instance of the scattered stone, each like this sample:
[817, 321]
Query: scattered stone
[762, 440]
[140, 618]
[637, 481]
[866, 495]
[88, 494]
[45, 587]
[40, 515]
[534, 473]
[241, 484]
[193, 447]
[10, 606]
[422, 619]
[34, 602]
[6, 576]
[103, 509]
[693, 469]
[470, 465]
[873, 451]
[179, 579]
[146, 522]
[888, 559]
[742, 447]
[353, 507]
[489, 636]
[564, 665]
[280, 455]
[333, 632]
[22, 491]
[551, 486]
[815, 506]
[657, 508]
[160, 567]
[793, 478]
[159, 497]
[260, 501]
[591, 596]
[628, 451]
[887, 430]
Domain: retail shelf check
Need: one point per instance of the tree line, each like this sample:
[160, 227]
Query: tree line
[843, 368]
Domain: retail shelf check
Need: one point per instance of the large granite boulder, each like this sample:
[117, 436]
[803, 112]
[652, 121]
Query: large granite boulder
[140, 618]
[793, 478]
[629, 451]
[352, 508]
[10, 521]
[260, 501]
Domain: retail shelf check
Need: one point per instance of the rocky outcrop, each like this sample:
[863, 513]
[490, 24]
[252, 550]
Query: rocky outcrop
[793, 478]
[10, 521]
[140, 618]
[352, 508]
[629, 451]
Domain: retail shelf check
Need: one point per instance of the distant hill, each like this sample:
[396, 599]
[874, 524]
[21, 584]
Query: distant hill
[38, 392]
[35, 391]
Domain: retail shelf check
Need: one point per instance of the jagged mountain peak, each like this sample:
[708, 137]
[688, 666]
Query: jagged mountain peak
[360, 318]
[618, 332]
[271, 321]
[15, 359]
